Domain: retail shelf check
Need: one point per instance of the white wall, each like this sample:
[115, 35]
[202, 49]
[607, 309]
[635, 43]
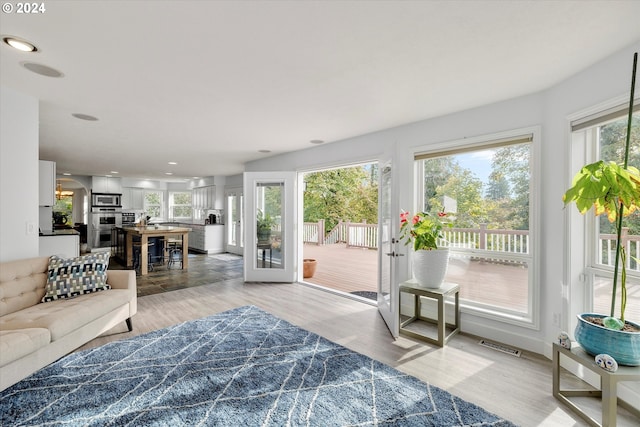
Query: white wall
[549, 109]
[19, 115]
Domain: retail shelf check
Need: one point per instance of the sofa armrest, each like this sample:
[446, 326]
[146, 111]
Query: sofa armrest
[125, 279]
[121, 279]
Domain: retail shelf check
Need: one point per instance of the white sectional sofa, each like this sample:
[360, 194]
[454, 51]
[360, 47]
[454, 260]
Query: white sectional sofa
[34, 334]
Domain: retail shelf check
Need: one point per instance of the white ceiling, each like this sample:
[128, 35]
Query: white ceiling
[208, 84]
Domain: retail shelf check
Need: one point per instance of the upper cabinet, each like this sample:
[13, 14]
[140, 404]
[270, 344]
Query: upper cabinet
[204, 197]
[47, 180]
[106, 184]
[132, 198]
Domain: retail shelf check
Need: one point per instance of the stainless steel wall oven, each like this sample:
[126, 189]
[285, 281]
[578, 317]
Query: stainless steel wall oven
[103, 220]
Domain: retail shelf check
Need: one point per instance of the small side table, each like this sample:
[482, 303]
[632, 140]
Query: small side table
[608, 385]
[440, 295]
[264, 247]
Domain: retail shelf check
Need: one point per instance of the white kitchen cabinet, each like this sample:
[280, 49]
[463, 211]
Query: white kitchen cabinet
[214, 238]
[196, 237]
[106, 184]
[132, 198]
[206, 238]
[211, 197]
[64, 246]
[47, 183]
[204, 197]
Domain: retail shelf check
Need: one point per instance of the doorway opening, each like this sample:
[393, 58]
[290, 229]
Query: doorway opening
[340, 230]
[71, 209]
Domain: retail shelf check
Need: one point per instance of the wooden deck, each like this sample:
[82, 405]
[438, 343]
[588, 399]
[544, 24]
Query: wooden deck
[344, 269]
[356, 270]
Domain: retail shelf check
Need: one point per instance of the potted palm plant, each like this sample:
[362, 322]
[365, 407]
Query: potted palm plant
[265, 224]
[611, 189]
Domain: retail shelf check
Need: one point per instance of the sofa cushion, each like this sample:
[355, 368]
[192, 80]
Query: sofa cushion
[64, 316]
[22, 283]
[70, 277]
[19, 343]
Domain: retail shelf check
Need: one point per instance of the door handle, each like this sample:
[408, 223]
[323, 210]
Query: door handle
[393, 253]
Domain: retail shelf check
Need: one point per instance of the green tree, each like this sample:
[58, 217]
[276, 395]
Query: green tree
[466, 189]
[498, 186]
[612, 142]
[437, 172]
[512, 163]
[348, 194]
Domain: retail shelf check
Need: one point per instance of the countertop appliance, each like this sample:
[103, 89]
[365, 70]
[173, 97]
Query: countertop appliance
[106, 200]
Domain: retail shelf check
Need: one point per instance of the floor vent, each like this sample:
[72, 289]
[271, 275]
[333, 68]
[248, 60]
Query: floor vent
[500, 347]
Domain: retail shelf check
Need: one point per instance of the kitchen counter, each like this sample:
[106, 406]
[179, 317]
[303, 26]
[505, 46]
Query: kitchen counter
[64, 232]
[63, 243]
[156, 229]
[203, 238]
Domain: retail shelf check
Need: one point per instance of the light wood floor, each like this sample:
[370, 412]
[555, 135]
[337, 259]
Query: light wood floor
[518, 389]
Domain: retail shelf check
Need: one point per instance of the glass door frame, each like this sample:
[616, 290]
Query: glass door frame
[234, 223]
[254, 271]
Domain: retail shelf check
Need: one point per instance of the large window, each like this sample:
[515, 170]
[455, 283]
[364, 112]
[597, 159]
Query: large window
[486, 187]
[602, 138]
[180, 205]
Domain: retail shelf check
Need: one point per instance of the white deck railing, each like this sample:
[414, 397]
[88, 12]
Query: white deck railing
[365, 235]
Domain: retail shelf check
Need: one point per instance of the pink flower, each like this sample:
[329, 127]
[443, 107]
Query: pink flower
[403, 217]
[442, 214]
[416, 219]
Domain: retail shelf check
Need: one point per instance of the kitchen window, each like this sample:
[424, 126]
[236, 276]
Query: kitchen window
[180, 205]
[153, 205]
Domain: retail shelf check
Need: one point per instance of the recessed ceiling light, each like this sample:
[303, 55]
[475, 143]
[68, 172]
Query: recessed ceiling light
[168, 173]
[109, 176]
[316, 141]
[19, 44]
[43, 70]
[264, 151]
[196, 177]
[115, 172]
[85, 117]
[66, 174]
[173, 163]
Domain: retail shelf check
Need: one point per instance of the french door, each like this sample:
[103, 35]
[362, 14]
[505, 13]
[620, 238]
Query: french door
[388, 219]
[270, 250]
[234, 222]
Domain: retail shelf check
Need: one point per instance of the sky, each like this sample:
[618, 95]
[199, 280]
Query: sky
[479, 162]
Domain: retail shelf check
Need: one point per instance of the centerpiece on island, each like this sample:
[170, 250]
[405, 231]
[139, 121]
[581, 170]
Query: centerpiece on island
[429, 262]
[614, 189]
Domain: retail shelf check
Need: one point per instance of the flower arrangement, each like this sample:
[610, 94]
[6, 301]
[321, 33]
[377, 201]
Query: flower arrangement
[424, 230]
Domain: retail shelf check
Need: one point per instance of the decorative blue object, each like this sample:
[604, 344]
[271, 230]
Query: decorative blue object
[623, 346]
[613, 323]
[243, 367]
[564, 340]
[606, 362]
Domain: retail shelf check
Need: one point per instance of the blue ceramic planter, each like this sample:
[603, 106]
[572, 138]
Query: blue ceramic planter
[624, 347]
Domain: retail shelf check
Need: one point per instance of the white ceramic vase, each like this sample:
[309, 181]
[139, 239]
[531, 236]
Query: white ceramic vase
[430, 267]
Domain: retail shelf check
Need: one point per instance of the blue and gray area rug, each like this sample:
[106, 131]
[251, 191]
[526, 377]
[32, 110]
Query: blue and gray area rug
[243, 367]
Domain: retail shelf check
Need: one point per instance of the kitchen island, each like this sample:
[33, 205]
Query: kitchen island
[144, 233]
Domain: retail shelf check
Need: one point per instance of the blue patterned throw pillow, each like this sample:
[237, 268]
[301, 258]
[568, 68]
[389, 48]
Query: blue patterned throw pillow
[70, 277]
